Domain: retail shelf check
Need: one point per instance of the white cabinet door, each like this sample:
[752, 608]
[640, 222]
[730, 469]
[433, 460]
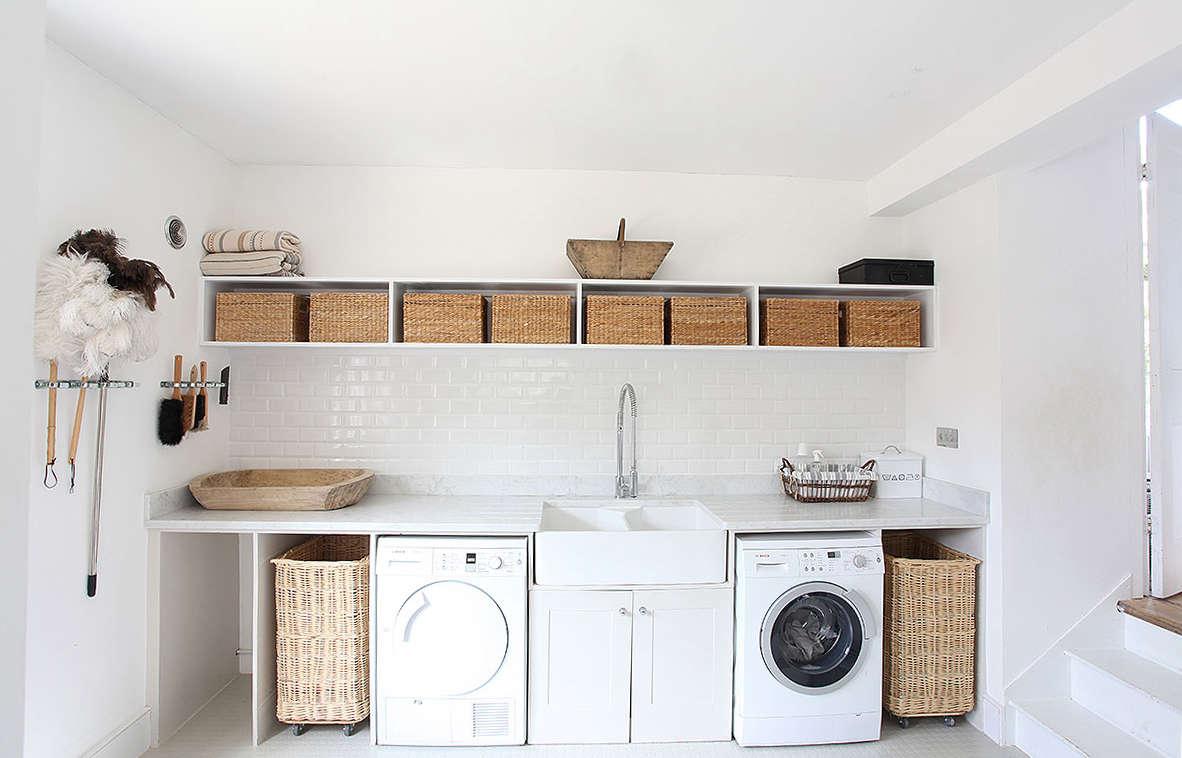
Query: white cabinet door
[579, 659]
[682, 664]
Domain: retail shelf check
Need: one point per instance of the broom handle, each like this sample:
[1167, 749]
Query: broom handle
[202, 393]
[176, 375]
[96, 496]
[78, 421]
[51, 428]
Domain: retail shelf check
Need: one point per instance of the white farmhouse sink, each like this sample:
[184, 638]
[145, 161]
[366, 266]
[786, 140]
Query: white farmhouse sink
[642, 541]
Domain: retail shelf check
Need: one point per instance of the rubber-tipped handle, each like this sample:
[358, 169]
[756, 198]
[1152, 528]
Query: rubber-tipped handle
[91, 584]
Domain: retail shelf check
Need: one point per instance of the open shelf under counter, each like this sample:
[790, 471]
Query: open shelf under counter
[578, 289]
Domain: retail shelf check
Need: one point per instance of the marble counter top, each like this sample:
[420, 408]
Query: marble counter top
[175, 510]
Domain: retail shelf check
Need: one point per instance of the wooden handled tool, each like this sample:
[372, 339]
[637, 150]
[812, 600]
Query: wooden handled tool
[201, 417]
[77, 431]
[189, 402]
[51, 431]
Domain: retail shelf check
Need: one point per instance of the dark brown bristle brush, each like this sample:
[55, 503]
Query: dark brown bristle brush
[201, 423]
[170, 426]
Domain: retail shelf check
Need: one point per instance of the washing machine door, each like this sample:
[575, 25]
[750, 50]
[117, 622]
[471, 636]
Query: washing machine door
[813, 636]
[449, 638]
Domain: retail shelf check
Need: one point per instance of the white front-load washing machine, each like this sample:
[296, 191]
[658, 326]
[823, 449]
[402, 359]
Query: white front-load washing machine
[808, 638]
[449, 651]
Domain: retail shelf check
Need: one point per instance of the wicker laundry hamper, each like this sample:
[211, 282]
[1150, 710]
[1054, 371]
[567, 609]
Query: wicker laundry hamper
[929, 629]
[322, 632]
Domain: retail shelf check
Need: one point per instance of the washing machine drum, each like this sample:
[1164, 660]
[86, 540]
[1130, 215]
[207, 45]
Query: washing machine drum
[811, 638]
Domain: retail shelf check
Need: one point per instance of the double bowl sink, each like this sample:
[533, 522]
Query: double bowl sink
[642, 541]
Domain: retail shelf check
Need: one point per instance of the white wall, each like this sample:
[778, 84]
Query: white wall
[959, 386]
[501, 223]
[22, 29]
[545, 422]
[1041, 369]
[109, 161]
[1072, 386]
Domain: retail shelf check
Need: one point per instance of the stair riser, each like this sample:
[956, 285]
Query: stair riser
[1159, 645]
[1037, 741]
[1127, 708]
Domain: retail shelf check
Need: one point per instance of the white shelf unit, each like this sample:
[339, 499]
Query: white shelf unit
[577, 289]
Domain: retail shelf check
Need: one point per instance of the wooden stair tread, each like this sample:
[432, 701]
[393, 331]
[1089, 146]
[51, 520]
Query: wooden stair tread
[1166, 614]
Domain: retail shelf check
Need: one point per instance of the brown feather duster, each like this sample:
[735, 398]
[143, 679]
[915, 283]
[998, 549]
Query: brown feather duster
[127, 274]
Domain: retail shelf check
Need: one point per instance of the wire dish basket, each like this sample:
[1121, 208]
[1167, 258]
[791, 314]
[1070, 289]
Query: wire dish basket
[828, 482]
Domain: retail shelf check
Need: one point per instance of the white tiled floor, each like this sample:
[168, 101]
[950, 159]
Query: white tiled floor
[223, 730]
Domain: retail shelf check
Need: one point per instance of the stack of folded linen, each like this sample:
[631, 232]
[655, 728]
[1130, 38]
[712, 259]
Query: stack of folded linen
[251, 252]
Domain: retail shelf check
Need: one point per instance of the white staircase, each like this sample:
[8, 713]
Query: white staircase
[1123, 702]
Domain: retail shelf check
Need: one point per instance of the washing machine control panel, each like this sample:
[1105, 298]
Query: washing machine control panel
[818, 561]
[454, 562]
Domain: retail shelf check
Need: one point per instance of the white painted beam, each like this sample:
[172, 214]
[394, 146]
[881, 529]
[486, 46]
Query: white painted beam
[1127, 66]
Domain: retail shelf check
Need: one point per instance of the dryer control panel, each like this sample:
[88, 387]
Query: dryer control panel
[451, 561]
[807, 562]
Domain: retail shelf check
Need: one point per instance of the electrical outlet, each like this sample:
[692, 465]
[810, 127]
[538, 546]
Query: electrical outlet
[947, 436]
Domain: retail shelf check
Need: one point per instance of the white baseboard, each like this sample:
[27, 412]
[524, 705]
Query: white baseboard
[130, 740]
[988, 717]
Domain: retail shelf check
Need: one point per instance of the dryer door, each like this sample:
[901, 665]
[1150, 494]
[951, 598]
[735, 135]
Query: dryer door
[812, 638]
[449, 638]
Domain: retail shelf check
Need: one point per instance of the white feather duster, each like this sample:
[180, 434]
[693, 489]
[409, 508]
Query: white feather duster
[83, 322]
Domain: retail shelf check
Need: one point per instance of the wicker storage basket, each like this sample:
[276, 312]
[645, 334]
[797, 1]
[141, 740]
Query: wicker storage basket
[625, 320]
[260, 317]
[543, 319]
[707, 320]
[929, 627]
[442, 317]
[880, 323]
[852, 487]
[322, 631]
[798, 321]
[349, 317]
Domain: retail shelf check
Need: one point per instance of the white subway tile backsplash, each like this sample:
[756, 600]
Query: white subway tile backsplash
[464, 415]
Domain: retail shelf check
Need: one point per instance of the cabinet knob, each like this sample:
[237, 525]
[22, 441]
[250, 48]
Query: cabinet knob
[623, 611]
[643, 611]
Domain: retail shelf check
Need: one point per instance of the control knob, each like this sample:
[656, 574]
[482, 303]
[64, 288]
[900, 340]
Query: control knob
[495, 562]
[859, 561]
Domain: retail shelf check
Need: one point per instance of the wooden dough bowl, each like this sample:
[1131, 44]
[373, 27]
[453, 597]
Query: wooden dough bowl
[281, 489]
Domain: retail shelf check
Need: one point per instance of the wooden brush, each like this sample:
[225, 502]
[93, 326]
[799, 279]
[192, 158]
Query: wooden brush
[201, 421]
[189, 402]
[170, 427]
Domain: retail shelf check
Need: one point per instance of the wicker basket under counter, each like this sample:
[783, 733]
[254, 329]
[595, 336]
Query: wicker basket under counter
[880, 323]
[929, 627]
[530, 319]
[349, 317]
[625, 319]
[442, 317]
[248, 316]
[707, 320]
[322, 631]
[791, 321]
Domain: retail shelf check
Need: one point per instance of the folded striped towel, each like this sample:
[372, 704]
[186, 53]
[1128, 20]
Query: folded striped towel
[261, 263]
[249, 240]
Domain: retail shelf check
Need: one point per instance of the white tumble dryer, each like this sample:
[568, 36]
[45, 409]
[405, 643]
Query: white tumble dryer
[808, 638]
[449, 651]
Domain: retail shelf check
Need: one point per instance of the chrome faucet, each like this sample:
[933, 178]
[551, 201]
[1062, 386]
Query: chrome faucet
[625, 486]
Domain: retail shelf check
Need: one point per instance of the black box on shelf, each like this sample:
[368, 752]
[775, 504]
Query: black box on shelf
[888, 271]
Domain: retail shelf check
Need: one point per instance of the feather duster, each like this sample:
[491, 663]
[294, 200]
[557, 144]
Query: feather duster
[127, 274]
[84, 322]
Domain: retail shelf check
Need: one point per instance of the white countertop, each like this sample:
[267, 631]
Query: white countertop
[463, 514]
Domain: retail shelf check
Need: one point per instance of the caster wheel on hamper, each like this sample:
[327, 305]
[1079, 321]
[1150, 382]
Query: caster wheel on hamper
[904, 722]
[298, 729]
[950, 721]
[349, 729]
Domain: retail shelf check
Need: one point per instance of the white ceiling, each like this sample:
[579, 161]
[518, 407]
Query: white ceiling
[821, 88]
